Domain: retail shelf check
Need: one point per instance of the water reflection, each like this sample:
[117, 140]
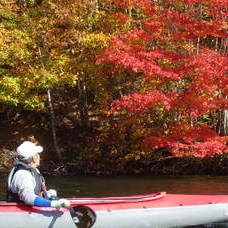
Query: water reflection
[120, 186]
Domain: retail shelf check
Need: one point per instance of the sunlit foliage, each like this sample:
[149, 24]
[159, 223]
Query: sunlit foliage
[180, 48]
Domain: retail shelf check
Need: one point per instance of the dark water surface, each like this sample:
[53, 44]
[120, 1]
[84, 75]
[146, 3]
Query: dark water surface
[121, 186]
[110, 186]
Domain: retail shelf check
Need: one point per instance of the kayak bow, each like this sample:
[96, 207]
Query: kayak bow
[158, 210]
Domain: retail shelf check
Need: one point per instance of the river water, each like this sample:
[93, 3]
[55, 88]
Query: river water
[110, 186]
[122, 186]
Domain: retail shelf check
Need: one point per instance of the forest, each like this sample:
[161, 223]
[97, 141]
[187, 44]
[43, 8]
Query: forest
[116, 86]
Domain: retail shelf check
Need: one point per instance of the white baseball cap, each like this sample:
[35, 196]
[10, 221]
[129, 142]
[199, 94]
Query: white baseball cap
[28, 149]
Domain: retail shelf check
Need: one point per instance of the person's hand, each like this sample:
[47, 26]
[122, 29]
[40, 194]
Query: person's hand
[60, 203]
[51, 194]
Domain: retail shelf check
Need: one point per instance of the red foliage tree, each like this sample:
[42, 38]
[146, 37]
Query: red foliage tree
[180, 48]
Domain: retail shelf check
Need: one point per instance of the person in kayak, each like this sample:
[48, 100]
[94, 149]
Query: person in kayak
[25, 182]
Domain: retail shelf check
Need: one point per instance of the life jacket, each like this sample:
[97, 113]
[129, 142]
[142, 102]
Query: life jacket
[40, 188]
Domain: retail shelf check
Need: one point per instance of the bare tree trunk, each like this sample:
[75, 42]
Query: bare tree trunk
[52, 113]
[225, 45]
[222, 127]
[225, 125]
[198, 45]
[82, 100]
[222, 124]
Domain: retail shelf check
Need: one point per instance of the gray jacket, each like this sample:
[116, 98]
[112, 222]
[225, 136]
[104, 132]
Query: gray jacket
[25, 183]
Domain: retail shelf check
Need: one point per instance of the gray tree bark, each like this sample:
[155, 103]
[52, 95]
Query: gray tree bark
[82, 100]
[222, 127]
[52, 112]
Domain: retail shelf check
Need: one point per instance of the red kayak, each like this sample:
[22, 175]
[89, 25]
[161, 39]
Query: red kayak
[153, 210]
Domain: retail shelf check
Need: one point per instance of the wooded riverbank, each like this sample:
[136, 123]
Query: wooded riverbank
[116, 87]
[77, 160]
[171, 166]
